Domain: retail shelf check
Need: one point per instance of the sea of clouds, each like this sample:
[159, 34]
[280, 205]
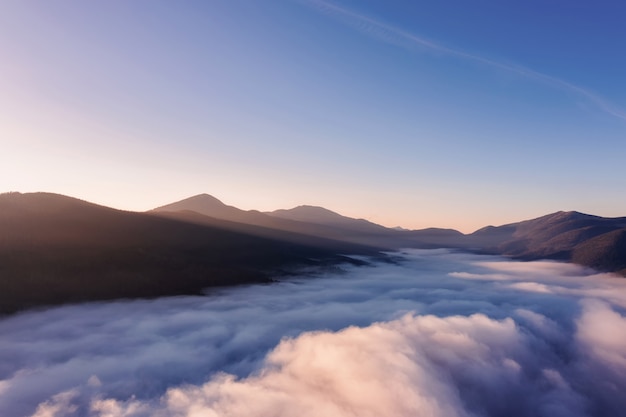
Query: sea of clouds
[435, 334]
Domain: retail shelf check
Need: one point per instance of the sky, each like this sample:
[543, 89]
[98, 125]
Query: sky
[407, 113]
[437, 334]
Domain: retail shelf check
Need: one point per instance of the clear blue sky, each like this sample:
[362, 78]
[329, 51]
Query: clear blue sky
[414, 113]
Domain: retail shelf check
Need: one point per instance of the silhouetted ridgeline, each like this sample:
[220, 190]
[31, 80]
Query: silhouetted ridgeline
[588, 240]
[318, 222]
[56, 249]
[593, 241]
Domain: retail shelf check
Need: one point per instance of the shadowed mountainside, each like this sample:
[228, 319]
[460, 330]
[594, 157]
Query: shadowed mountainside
[56, 249]
[568, 236]
[606, 251]
[588, 240]
[320, 215]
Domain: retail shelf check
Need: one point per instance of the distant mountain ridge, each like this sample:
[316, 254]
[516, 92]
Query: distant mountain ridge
[320, 215]
[56, 249]
[210, 206]
[568, 236]
[314, 221]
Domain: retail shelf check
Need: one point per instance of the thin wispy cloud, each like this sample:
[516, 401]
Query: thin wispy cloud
[402, 38]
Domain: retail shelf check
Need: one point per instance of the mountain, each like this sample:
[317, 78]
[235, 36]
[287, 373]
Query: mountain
[399, 237]
[606, 252]
[56, 249]
[320, 215]
[311, 221]
[213, 209]
[281, 233]
[210, 206]
[570, 236]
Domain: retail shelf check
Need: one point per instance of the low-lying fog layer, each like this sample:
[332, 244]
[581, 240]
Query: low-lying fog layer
[438, 334]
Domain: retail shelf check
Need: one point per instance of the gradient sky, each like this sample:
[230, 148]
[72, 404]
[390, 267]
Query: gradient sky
[413, 113]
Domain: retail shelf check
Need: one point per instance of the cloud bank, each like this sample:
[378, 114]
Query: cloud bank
[437, 334]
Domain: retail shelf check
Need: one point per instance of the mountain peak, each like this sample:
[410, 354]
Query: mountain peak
[571, 215]
[204, 204]
[567, 213]
[312, 214]
[313, 209]
[204, 197]
[324, 216]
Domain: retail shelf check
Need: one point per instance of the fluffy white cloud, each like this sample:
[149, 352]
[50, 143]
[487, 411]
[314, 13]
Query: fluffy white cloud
[438, 334]
[602, 331]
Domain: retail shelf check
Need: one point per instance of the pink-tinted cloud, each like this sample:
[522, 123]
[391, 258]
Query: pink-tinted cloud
[411, 338]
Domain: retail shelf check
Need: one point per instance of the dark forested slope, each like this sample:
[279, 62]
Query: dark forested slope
[56, 249]
[588, 240]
